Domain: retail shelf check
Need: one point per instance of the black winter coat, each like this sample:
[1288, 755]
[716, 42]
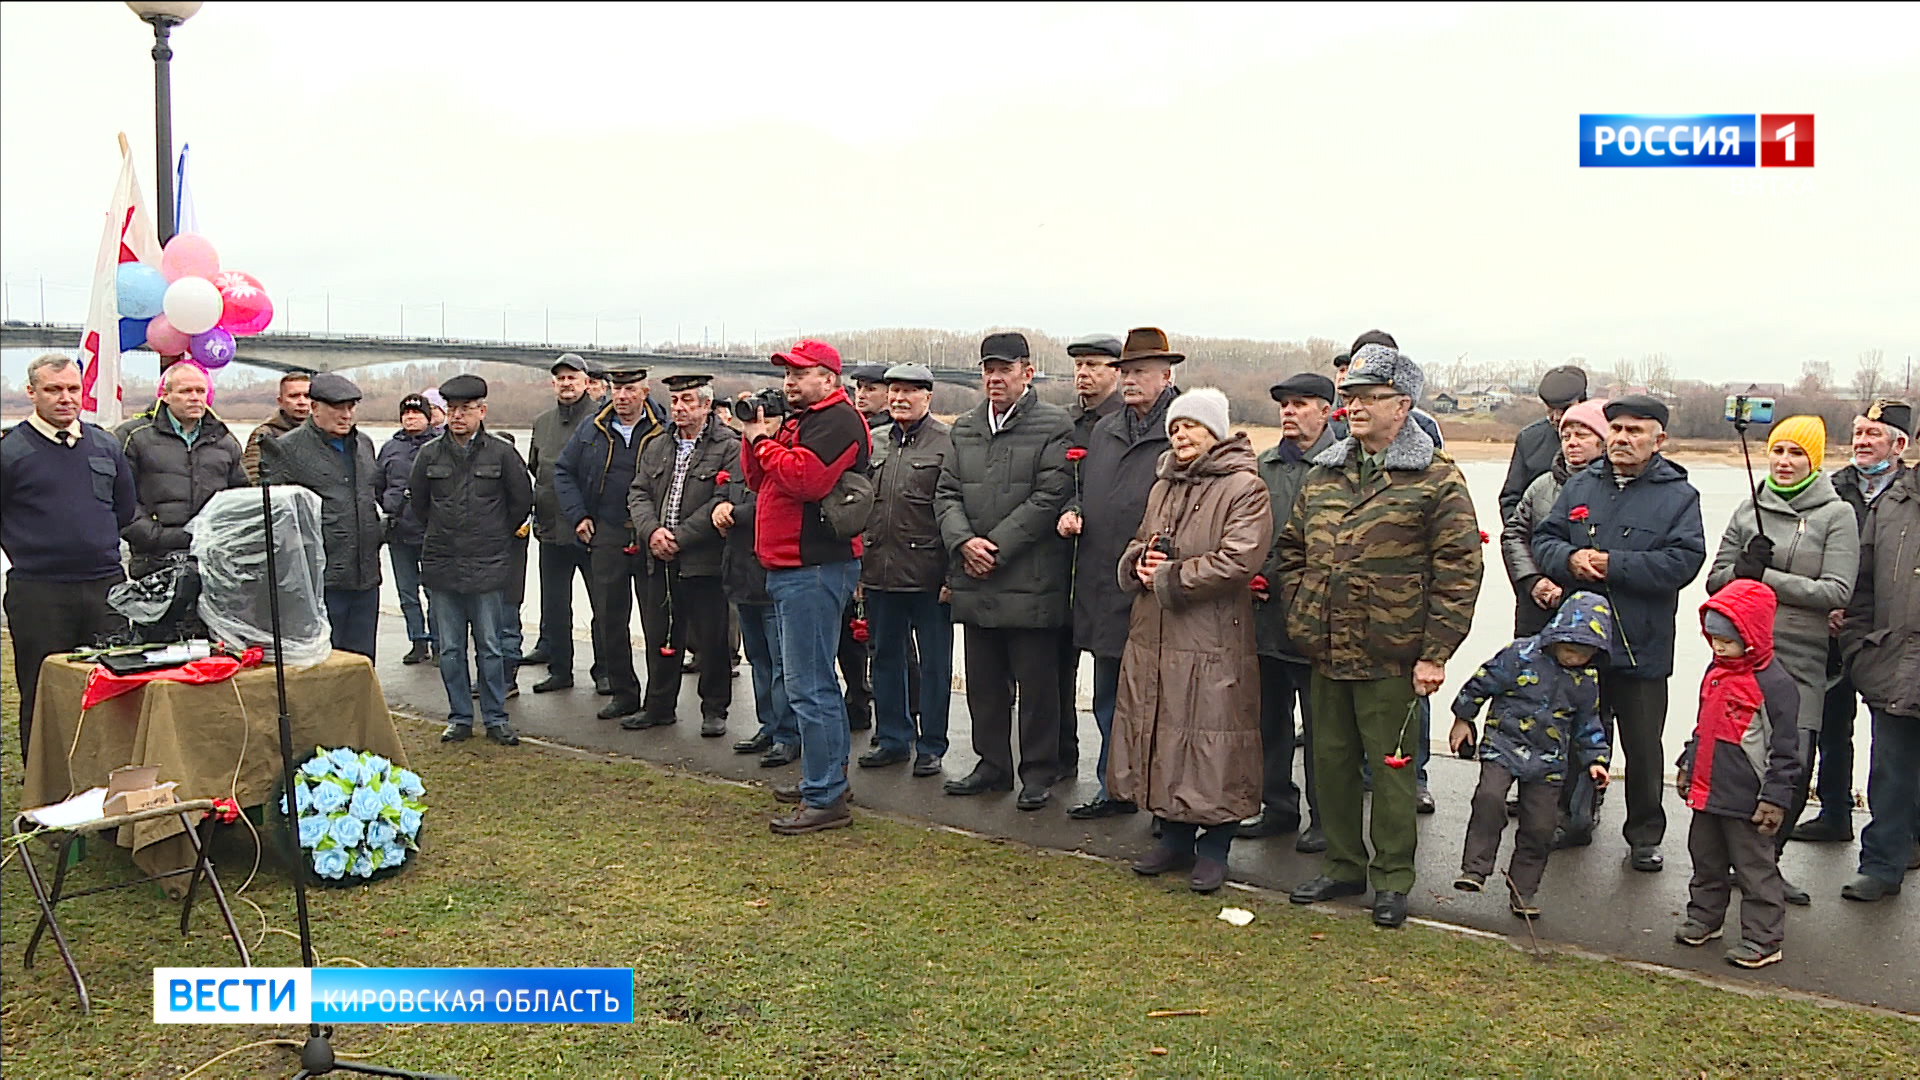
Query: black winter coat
[1655, 545]
[903, 551]
[742, 577]
[174, 480]
[1284, 475]
[1533, 451]
[470, 500]
[716, 450]
[1115, 477]
[1009, 488]
[395, 463]
[349, 490]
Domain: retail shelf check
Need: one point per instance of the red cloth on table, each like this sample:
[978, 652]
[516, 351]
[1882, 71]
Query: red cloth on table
[104, 685]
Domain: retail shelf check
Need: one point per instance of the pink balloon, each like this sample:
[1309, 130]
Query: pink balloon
[164, 339]
[246, 308]
[212, 349]
[189, 255]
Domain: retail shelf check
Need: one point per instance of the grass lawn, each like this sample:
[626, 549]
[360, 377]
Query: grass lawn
[887, 949]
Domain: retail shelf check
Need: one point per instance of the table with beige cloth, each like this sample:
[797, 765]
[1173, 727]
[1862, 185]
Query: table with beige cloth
[199, 736]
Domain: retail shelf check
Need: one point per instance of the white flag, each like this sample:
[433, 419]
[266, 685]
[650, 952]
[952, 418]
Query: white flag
[128, 236]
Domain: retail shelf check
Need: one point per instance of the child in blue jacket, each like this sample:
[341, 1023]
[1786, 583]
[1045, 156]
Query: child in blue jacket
[1542, 695]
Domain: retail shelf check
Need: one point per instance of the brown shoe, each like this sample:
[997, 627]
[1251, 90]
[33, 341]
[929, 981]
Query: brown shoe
[1160, 860]
[809, 819]
[1208, 876]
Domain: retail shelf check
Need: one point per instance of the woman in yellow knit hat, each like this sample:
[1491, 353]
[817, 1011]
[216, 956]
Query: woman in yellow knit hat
[1805, 546]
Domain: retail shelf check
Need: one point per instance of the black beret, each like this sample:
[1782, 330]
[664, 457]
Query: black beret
[1305, 384]
[1638, 405]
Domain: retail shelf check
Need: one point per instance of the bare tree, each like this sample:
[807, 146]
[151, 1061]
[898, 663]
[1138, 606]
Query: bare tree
[1658, 371]
[1867, 377]
[1624, 372]
[1816, 376]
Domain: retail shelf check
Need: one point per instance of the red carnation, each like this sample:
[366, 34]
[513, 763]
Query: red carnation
[1076, 453]
[1484, 538]
[859, 628]
[1578, 513]
[722, 477]
[666, 650]
[1397, 761]
[1258, 584]
[226, 811]
[631, 549]
[1338, 414]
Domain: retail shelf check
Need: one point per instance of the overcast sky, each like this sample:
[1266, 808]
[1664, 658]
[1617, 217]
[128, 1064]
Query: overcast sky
[1237, 171]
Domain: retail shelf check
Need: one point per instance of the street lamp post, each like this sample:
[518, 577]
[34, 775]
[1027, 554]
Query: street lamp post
[163, 17]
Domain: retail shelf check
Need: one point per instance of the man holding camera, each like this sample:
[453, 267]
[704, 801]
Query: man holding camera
[672, 501]
[1001, 490]
[1629, 526]
[591, 479]
[795, 460]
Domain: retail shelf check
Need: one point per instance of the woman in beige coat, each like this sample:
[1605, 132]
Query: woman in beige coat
[1187, 722]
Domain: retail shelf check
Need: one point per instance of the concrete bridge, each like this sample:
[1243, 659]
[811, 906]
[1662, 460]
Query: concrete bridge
[337, 352]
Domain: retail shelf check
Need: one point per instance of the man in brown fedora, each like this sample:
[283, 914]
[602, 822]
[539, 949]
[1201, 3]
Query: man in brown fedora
[1123, 451]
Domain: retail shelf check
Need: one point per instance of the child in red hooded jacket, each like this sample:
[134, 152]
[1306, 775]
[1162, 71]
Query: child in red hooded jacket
[1738, 773]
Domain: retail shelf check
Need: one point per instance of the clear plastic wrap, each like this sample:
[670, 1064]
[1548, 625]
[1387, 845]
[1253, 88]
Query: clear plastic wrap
[229, 541]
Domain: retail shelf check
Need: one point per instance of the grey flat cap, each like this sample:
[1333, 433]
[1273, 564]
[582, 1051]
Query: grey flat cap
[570, 362]
[332, 388]
[918, 374]
[1096, 345]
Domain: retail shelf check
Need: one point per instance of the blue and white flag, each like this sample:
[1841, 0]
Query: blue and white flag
[185, 220]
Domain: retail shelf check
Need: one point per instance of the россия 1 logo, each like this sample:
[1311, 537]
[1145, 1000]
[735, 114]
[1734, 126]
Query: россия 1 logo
[1704, 141]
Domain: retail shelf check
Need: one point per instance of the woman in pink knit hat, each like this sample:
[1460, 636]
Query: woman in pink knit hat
[1583, 440]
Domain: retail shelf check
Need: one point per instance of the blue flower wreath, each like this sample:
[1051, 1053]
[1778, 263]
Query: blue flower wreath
[358, 813]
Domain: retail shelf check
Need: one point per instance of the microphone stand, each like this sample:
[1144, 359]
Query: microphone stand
[316, 1055]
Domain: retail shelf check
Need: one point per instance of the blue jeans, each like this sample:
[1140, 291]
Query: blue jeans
[807, 601]
[405, 559]
[483, 615]
[1106, 692]
[895, 615]
[760, 639]
[1893, 797]
[355, 616]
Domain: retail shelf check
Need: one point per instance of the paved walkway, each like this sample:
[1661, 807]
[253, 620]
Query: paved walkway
[1867, 953]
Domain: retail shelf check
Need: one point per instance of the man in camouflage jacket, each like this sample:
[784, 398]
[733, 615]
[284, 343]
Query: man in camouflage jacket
[1378, 571]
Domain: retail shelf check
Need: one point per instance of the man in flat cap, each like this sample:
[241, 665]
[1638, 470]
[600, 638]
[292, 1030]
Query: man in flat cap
[1628, 526]
[1881, 435]
[562, 555]
[470, 492]
[671, 501]
[591, 479]
[1112, 482]
[1377, 570]
[1533, 449]
[903, 576]
[332, 458]
[797, 464]
[1096, 396]
[1306, 400]
[1880, 639]
[998, 500]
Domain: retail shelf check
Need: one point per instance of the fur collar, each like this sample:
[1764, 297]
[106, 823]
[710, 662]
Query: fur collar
[1410, 451]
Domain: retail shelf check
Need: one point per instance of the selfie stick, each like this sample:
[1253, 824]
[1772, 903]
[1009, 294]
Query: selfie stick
[1753, 487]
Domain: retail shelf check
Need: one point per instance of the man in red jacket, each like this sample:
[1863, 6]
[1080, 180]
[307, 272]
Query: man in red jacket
[792, 463]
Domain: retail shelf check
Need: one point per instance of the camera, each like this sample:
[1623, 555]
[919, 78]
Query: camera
[1162, 545]
[1743, 410]
[772, 401]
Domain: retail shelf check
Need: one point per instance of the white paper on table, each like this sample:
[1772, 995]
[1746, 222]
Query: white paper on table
[89, 805]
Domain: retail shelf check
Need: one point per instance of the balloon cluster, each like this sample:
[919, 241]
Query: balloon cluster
[189, 306]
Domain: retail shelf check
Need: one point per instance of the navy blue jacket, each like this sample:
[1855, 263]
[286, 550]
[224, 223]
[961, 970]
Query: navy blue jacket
[580, 473]
[1655, 546]
[62, 509]
[1543, 714]
[395, 465]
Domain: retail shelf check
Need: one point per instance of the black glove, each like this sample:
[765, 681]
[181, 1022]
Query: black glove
[1754, 559]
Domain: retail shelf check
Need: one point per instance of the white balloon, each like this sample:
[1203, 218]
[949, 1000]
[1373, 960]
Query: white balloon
[192, 305]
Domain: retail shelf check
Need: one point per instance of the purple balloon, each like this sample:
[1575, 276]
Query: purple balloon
[212, 349]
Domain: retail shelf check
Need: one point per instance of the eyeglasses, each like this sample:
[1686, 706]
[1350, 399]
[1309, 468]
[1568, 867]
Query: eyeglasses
[1373, 399]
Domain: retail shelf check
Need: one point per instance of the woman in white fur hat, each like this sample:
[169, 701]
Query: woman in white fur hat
[1187, 722]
